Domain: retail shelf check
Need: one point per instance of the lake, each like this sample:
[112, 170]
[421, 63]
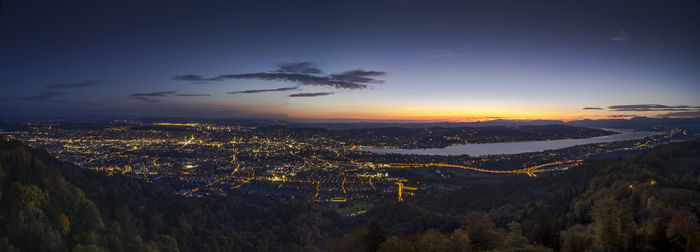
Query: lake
[517, 147]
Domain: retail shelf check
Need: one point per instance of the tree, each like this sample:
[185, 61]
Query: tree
[482, 232]
[683, 230]
[515, 238]
[396, 244]
[577, 238]
[461, 241]
[614, 223]
[374, 237]
[433, 240]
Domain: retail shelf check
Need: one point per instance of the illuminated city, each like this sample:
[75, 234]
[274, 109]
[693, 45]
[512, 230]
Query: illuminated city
[349, 126]
[321, 165]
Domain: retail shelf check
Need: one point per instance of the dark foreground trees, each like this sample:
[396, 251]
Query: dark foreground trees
[645, 203]
[650, 202]
[47, 205]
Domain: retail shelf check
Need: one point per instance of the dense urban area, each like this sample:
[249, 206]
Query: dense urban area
[199, 185]
[318, 164]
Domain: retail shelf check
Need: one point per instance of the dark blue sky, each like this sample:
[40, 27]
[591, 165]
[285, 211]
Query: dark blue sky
[424, 60]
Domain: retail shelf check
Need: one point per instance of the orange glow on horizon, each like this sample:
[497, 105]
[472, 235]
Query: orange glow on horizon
[451, 112]
[450, 117]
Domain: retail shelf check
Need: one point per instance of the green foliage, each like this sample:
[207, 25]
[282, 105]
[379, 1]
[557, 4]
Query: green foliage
[645, 203]
[649, 202]
[396, 244]
[577, 238]
[47, 205]
[6, 246]
[374, 237]
[515, 238]
[482, 232]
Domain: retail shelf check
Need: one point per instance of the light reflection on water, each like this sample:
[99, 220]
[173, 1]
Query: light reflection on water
[517, 147]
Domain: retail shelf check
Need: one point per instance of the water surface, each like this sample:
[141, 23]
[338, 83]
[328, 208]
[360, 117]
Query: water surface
[517, 147]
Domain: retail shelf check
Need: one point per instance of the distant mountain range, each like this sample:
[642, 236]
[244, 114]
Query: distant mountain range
[634, 123]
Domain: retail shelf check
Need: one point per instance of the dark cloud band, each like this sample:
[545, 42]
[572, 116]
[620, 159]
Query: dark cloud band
[50, 96]
[652, 107]
[255, 91]
[74, 85]
[303, 73]
[310, 94]
[298, 67]
[148, 97]
[192, 95]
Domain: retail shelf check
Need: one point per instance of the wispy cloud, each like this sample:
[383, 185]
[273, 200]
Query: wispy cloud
[50, 96]
[303, 73]
[310, 94]
[43, 96]
[148, 97]
[447, 55]
[592, 108]
[154, 94]
[190, 77]
[74, 85]
[652, 107]
[191, 95]
[681, 111]
[620, 36]
[298, 67]
[622, 116]
[255, 91]
[683, 114]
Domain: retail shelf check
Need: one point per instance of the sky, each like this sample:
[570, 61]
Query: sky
[390, 60]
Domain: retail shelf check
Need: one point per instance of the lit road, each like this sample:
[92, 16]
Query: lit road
[530, 171]
[186, 142]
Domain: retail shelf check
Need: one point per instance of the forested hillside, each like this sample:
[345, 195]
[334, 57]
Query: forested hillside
[645, 203]
[47, 205]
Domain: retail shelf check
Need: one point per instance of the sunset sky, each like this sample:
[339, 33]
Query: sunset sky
[332, 60]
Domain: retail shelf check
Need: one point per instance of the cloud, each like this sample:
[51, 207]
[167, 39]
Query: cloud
[682, 111]
[622, 116]
[652, 107]
[190, 77]
[358, 76]
[298, 67]
[190, 95]
[194, 78]
[255, 91]
[684, 114]
[154, 94]
[447, 55]
[620, 35]
[74, 85]
[144, 99]
[43, 96]
[310, 94]
[303, 73]
[592, 108]
[49, 96]
[303, 79]
[147, 97]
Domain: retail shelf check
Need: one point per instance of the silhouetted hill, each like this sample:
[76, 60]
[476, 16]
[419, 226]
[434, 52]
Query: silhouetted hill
[640, 123]
[48, 205]
[438, 137]
[366, 125]
[650, 202]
